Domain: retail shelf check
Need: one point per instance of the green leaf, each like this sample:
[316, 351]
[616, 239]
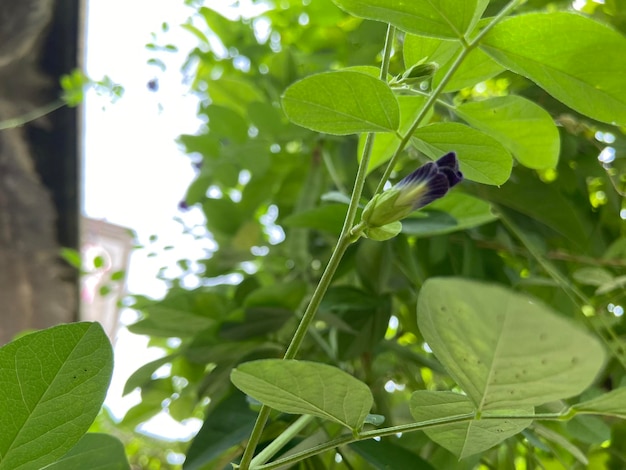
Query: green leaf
[182, 313]
[304, 387]
[593, 276]
[366, 315]
[342, 103]
[438, 18]
[467, 437]
[574, 58]
[475, 68]
[560, 440]
[227, 123]
[386, 144]
[456, 211]
[610, 404]
[616, 283]
[524, 128]
[589, 429]
[384, 455]
[233, 93]
[328, 218]
[96, 452]
[505, 349]
[545, 203]
[143, 375]
[256, 321]
[53, 384]
[226, 425]
[482, 158]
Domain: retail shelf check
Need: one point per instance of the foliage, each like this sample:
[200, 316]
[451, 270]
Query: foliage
[493, 320]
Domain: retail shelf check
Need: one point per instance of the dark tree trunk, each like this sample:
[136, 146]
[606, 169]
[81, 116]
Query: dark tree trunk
[38, 167]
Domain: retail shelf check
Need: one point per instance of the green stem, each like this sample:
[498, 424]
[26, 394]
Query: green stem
[434, 96]
[344, 241]
[431, 423]
[282, 440]
[31, 115]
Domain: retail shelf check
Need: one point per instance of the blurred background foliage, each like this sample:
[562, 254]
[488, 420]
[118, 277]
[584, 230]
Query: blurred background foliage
[274, 199]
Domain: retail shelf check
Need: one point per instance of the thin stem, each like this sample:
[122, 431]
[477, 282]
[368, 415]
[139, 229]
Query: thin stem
[344, 241]
[280, 442]
[434, 96]
[349, 438]
[31, 115]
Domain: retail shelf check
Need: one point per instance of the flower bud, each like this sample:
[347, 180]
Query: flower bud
[426, 184]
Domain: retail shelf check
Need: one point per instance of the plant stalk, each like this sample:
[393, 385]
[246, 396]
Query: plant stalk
[343, 243]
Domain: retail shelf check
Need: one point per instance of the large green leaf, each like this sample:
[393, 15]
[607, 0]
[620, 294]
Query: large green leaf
[342, 103]
[475, 68]
[95, 452]
[577, 60]
[456, 211]
[53, 384]
[304, 387]
[505, 349]
[438, 18]
[482, 158]
[611, 404]
[467, 437]
[524, 128]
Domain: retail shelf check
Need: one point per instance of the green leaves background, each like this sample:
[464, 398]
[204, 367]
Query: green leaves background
[528, 109]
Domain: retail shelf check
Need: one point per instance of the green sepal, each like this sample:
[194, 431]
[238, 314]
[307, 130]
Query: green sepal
[385, 232]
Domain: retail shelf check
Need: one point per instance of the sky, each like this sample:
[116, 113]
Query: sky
[134, 174]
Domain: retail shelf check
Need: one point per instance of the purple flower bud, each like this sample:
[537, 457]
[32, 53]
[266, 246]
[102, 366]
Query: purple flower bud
[429, 182]
[426, 184]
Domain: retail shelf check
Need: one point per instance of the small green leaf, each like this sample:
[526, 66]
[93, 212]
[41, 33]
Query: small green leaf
[475, 68]
[385, 232]
[616, 283]
[143, 375]
[468, 437]
[593, 276]
[96, 452]
[610, 404]
[524, 128]
[53, 384]
[482, 158]
[342, 103]
[505, 349]
[304, 387]
[577, 60]
[72, 257]
[438, 18]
